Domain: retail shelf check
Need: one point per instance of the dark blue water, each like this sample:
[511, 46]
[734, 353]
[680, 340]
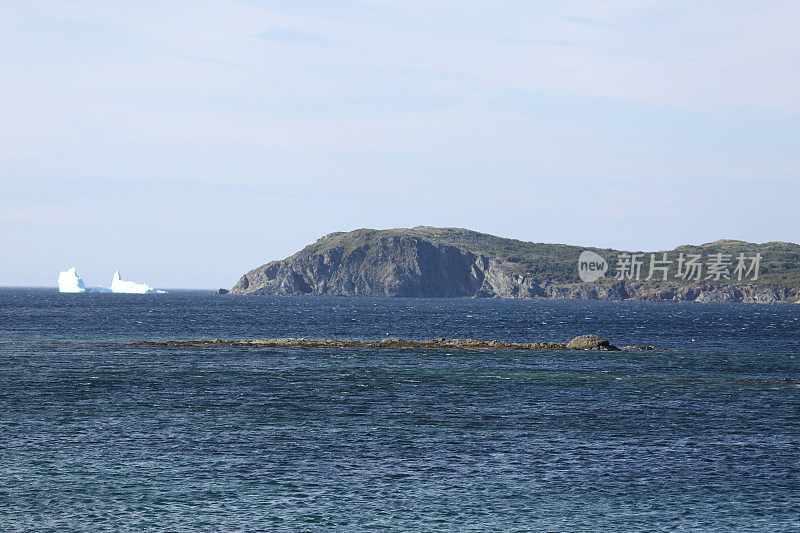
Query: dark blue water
[98, 434]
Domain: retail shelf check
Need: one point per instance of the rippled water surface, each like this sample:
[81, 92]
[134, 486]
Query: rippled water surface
[99, 434]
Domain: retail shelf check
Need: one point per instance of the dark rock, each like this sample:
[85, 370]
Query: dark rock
[221, 291]
[641, 348]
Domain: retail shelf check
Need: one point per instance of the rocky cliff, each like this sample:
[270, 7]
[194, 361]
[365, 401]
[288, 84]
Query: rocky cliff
[450, 262]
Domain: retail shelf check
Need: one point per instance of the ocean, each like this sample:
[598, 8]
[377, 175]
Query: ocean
[98, 434]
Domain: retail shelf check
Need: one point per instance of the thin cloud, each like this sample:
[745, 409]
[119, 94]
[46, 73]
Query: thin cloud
[211, 61]
[535, 42]
[588, 21]
[291, 37]
[37, 214]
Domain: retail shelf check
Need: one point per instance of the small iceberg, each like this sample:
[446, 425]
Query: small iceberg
[119, 285]
[70, 281]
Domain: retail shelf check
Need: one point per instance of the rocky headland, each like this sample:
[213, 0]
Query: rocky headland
[451, 262]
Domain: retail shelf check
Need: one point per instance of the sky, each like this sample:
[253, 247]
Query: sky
[186, 142]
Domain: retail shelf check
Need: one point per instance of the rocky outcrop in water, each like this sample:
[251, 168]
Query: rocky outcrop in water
[583, 342]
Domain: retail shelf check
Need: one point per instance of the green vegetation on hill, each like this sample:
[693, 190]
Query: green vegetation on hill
[556, 263]
[453, 262]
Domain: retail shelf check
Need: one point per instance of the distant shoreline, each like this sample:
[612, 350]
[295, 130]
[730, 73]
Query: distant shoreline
[216, 292]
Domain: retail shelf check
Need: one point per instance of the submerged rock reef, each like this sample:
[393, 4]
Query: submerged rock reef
[583, 342]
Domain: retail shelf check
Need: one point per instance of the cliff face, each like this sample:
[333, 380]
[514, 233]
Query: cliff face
[447, 263]
[391, 266]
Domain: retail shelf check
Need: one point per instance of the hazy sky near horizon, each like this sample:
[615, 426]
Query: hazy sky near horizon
[187, 142]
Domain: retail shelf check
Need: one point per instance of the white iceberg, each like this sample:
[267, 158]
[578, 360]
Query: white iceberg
[119, 285]
[70, 281]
